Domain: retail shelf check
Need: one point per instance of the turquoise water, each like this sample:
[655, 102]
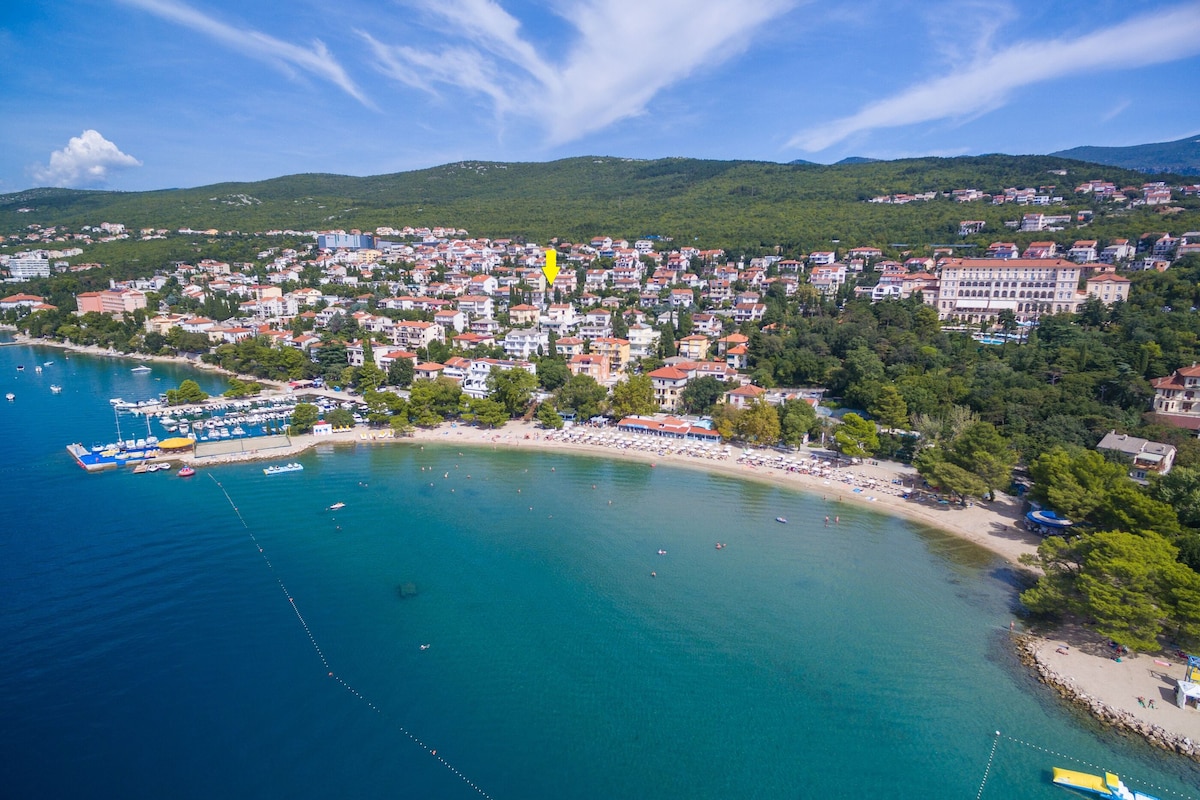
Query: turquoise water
[152, 651]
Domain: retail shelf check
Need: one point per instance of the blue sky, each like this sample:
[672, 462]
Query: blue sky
[148, 94]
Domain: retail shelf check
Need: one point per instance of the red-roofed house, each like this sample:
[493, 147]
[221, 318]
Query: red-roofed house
[744, 395]
[1177, 397]
[694, 347]
[523, 314]
[569, 346]
[1109, 287]
[430, 370]
[21, 301]
[738, 357]
[668, 383]
[469, 341]
[451, 319]
[589, 364]
[413, 334]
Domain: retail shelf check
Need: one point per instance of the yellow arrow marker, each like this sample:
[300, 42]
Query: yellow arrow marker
[551, 268]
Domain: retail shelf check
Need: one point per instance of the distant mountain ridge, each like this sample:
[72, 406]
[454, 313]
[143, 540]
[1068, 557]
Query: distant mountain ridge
[1181, 157]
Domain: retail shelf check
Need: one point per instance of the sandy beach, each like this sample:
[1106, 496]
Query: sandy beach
[1078, 664]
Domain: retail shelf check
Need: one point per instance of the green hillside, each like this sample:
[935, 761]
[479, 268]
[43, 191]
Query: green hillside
[1181, 157]
[716, 203]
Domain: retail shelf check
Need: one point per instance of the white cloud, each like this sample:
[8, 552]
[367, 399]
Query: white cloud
[988, 82]
[85, 161]
[1116, 110]
[317, 61]
[624, 53]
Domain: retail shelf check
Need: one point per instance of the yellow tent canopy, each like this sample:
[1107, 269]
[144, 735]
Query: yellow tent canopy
[176, 443]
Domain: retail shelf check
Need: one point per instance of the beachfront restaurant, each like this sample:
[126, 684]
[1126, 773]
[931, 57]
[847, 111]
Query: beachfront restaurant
[669, 427]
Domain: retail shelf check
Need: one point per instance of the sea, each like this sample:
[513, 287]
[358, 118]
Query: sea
[496, 623]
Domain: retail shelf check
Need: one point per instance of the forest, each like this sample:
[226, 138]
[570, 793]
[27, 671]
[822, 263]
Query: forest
[741, 205]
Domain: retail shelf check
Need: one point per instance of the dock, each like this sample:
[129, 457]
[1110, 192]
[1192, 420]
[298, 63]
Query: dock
[111, 458]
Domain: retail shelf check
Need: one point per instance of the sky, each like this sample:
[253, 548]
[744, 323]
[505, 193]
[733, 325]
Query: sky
[152, 94]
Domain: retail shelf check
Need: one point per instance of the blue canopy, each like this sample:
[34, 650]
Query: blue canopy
[1049, 519]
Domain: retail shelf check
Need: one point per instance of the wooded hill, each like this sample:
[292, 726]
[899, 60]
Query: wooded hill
[732, 204]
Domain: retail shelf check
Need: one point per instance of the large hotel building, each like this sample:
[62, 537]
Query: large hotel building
[977, 289]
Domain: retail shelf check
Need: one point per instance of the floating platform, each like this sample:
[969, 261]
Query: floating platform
[1107, 786]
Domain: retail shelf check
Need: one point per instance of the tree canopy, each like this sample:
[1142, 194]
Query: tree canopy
[633, 396]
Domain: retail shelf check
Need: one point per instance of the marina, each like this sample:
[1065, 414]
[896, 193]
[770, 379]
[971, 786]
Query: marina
[215, 429]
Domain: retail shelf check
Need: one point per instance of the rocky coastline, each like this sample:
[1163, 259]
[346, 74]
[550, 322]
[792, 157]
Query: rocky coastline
[1028, 649]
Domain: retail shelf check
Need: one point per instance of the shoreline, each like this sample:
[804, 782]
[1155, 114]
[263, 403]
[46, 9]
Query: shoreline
[1117, 694]
[992, 526]
[97, 350]
[1077, 670]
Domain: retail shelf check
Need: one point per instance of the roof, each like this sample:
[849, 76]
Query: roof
[1009, 263]
[668, 374]
[1134, 446]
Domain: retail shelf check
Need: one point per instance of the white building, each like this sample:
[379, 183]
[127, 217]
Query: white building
[1147, 457]
[523, 344]
[23, 268]
[978, 289]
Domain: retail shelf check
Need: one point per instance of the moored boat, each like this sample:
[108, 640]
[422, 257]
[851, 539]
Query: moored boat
[186, 472]
[141, 369]
[55, 388]
[336, 507]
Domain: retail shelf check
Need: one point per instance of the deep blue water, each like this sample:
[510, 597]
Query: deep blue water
[151, 650]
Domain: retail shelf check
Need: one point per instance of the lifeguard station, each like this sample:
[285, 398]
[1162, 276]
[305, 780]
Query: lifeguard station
[1189, 687]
